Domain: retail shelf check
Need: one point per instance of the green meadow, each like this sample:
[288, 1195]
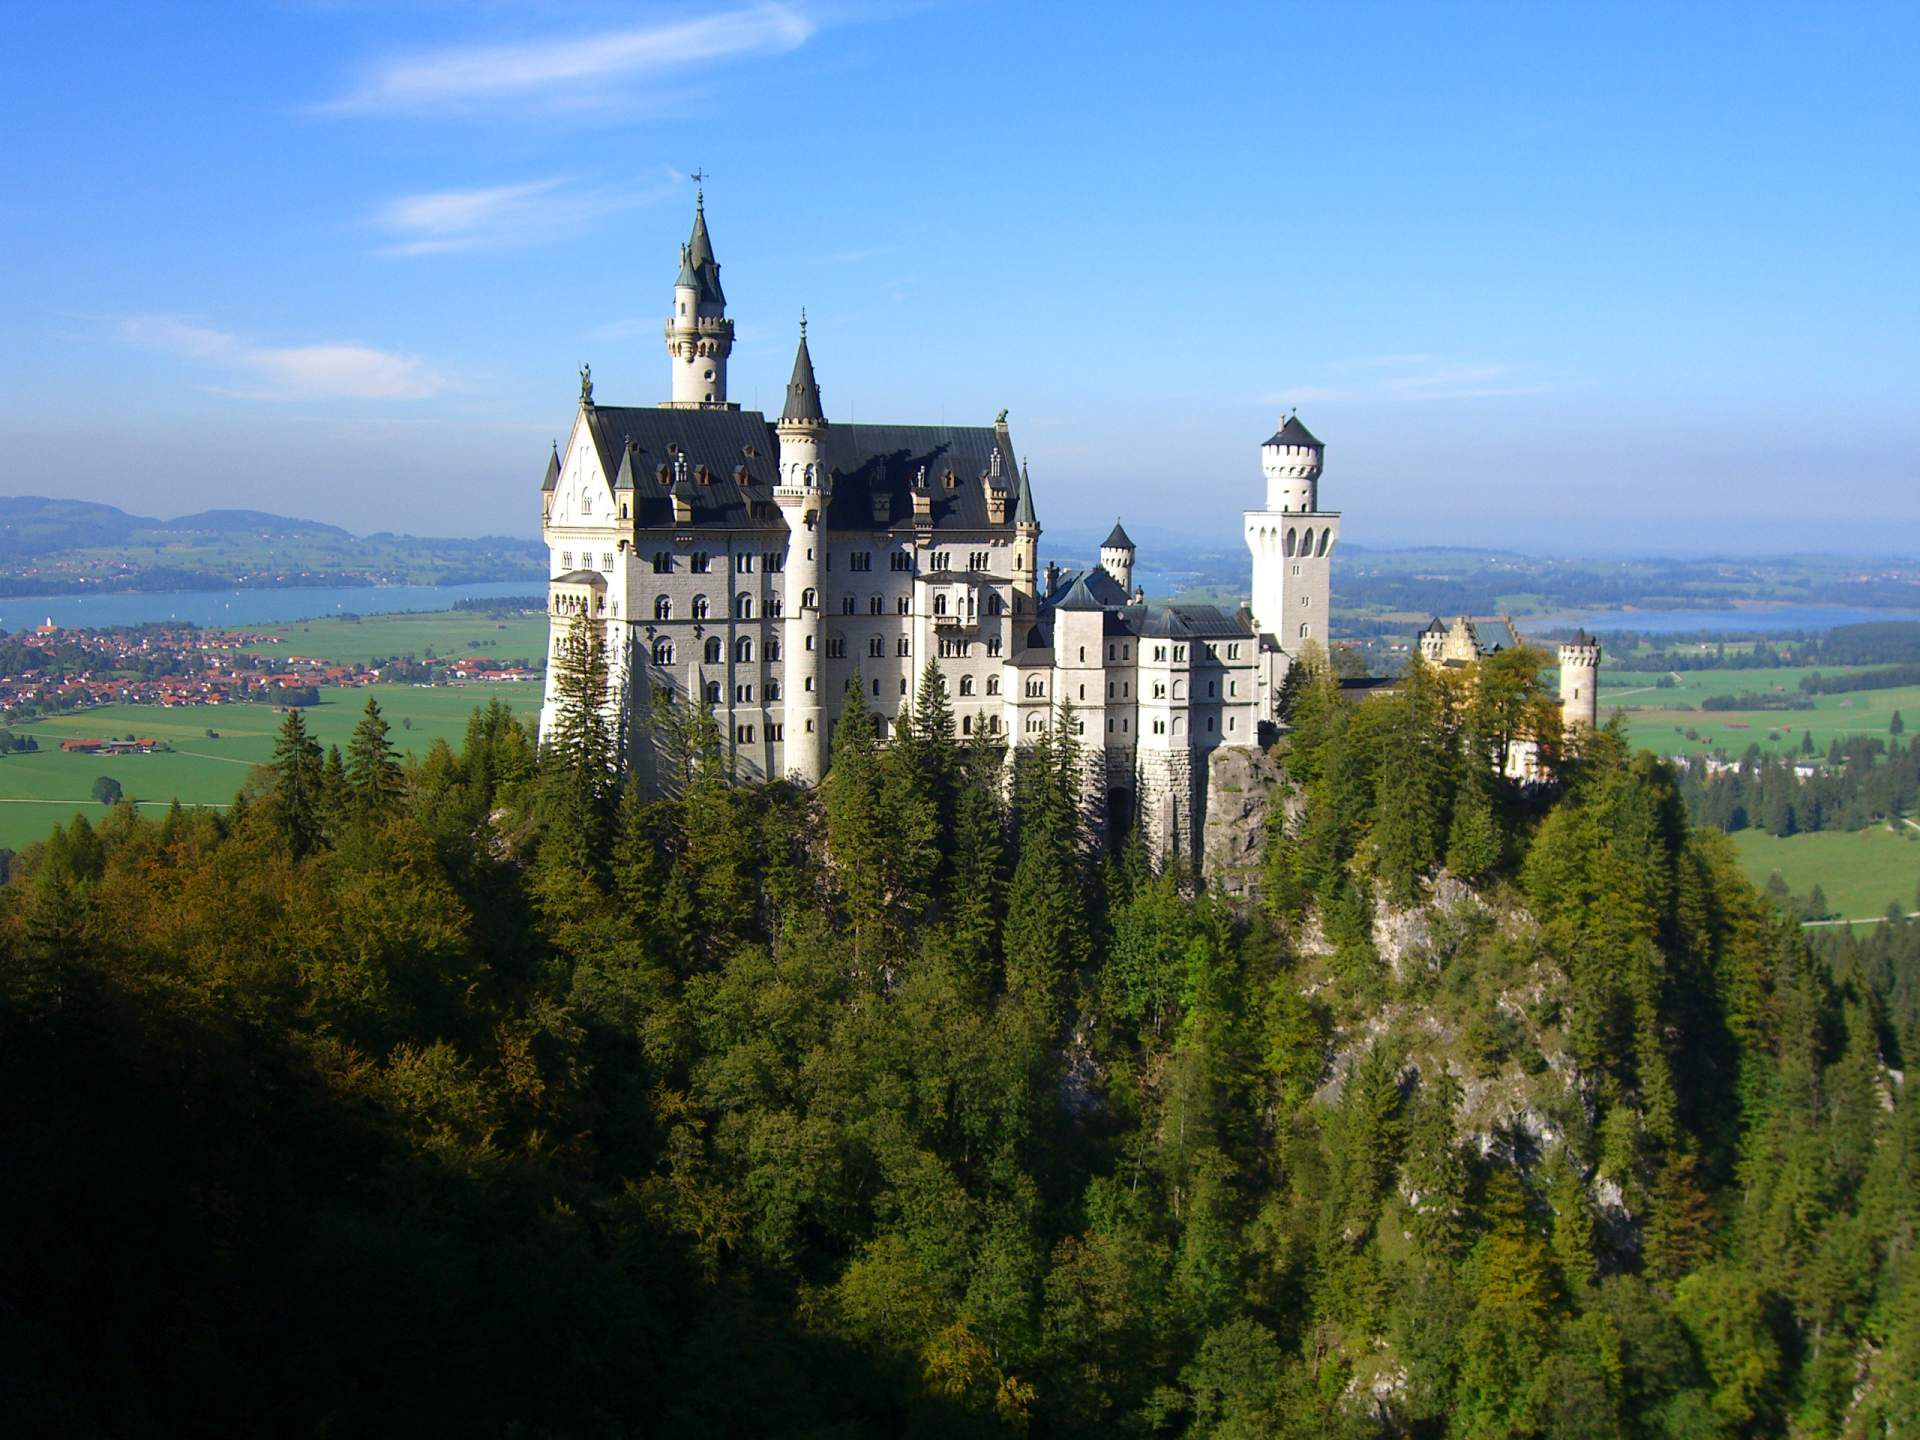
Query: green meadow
[42, 789]
[448, 633]
[1659, 719]
[1861, 871]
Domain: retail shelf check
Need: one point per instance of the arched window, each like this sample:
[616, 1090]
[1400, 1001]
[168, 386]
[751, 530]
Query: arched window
[846, 604]
[1306, 541]
[1305, 631]
[966, 684]
[773, 690]
[1179, 689]
[743, 605]
[743, 650]
[699, 607]
[966, 724]
[713, 650]
[904, 605]
[663, 652]
[1293, 540]
[776, 607]
[993, 685]
[1325, 536]
[663, 607]
[809, 599]
[940, 604]
[662, 562]
[773, 649]
[995, 605]
[877, 605]
[713, 692]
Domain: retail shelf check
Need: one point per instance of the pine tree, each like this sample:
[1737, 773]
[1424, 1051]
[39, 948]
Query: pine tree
[975, 894]
[1046, 929]
[374, 778]
[1896, 726]
[1474, 840]
[858, 835]
[1410, 803]
[297, 783]
[582, 741]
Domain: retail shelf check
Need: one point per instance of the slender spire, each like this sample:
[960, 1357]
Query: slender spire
[803, 392]
[697, 256]
[1023, 510]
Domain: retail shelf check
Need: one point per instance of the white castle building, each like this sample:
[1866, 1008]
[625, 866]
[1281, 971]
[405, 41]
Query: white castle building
[754, 565]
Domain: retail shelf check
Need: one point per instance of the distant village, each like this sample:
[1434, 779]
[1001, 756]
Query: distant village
[50, 669]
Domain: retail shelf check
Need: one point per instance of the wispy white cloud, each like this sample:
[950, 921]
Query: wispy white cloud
[436, 221]
[330, 370]
[1409, 378]
[572, 73]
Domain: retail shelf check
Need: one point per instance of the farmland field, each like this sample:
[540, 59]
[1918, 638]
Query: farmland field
[42, 789]
[1658, 719]
[449, 633]
[1862, 872]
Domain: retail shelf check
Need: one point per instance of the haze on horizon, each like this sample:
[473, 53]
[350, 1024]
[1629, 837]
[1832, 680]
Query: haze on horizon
[1571, 280]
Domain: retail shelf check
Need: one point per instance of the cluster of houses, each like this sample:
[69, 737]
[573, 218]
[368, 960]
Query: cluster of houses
[177, 667]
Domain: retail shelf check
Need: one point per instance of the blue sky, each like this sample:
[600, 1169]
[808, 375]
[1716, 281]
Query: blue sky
[1575, 278]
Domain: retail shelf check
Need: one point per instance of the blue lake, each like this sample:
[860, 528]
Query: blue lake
[1771, 619]
[246, 607]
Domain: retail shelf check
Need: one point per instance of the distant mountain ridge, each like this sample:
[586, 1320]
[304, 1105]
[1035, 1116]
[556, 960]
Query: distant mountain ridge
[55, 546]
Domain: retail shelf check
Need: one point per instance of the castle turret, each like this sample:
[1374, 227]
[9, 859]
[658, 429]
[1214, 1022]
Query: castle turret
[1116, 556]
[1291, 462]
[802, 493]
[1580, 682]
[1026, 547]
[699, 334]
[1292, 541]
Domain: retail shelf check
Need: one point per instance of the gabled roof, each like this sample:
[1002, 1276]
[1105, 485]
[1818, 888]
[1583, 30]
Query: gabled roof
[580, 577]
[1116, 539]
[740, 449]
[803, 391]
[1292, 432]
[1078, 597]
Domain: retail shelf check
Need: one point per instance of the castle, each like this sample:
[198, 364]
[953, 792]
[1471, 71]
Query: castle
[754, 565]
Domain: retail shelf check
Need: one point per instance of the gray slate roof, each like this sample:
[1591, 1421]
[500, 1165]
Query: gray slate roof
[553, 470]
[803, 391]
[739, 450]
[1292, 432]
[700, 256]
[1116, 537]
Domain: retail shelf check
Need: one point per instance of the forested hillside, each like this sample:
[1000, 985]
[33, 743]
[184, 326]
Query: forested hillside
[487, 1098]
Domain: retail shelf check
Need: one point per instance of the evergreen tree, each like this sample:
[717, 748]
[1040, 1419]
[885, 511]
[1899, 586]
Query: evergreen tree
[297, 783]
[583, 741]
[375, 780]
[1896, 726]
[859, 837]
[1046, 930]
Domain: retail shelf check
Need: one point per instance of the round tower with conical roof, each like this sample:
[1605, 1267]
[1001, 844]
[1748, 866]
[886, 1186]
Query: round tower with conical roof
[1116, 556]
[805, 487]
[699, 334]
[1580, 682]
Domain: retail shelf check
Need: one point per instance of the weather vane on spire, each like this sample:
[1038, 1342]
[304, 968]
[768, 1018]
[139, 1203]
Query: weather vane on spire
[699, 178]
[803, 322]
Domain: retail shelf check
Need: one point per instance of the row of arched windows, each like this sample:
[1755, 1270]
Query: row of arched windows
[1304, 541]
[702, 610]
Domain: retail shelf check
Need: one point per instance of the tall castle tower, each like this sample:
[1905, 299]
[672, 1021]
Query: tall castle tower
[802, 492]
[699, 334]
[1292, 541]
[1580, 682]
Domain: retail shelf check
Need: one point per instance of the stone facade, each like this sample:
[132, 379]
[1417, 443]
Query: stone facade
[753, 565]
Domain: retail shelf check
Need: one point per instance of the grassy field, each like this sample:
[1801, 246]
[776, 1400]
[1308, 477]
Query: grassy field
[1658, 718]
[40, 790]
[448, 633]
[1861, 871]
